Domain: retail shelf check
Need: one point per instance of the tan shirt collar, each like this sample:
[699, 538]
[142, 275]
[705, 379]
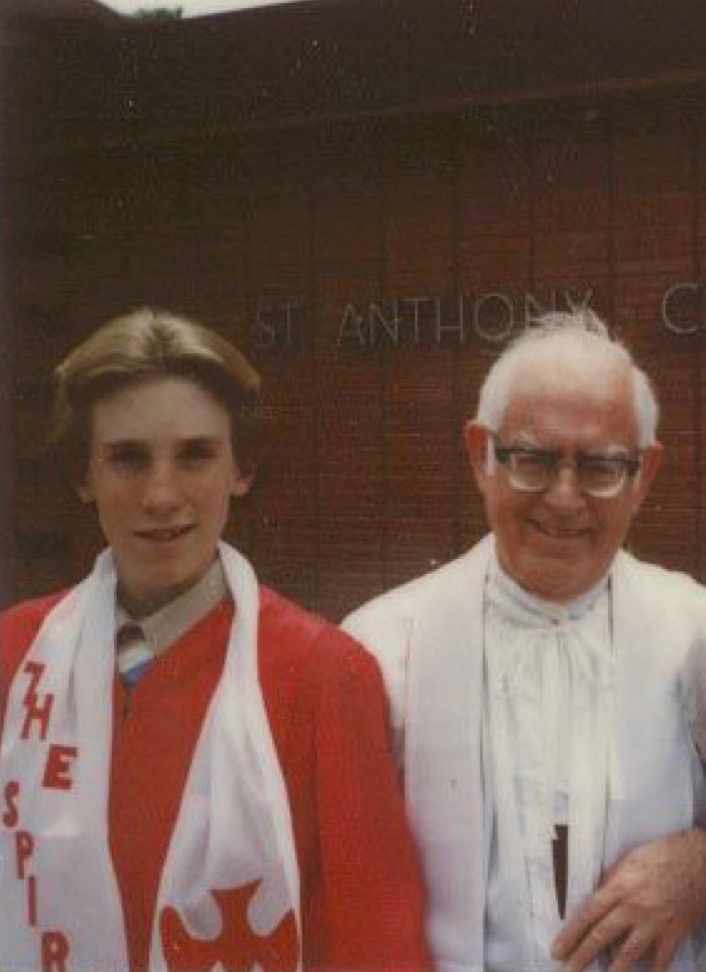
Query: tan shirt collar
[167, 625]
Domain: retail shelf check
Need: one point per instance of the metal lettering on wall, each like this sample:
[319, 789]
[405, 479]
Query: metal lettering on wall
[684, 307]
[418, 321]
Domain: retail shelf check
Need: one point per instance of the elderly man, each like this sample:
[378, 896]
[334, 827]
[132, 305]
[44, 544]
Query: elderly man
[548, 689]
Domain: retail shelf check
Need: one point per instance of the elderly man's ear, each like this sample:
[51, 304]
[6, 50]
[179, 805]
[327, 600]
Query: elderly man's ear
[651, 461]
[477, 439]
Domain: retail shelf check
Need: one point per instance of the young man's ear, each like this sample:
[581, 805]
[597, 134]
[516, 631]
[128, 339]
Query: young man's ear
[84, 490]
[241, 483]
[477, 438]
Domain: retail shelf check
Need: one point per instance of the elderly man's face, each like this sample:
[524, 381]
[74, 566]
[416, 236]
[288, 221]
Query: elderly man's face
[559, 542]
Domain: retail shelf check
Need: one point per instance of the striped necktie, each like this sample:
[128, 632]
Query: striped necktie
[134, 656]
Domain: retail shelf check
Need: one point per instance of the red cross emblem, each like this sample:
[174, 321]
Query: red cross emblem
[237, 948]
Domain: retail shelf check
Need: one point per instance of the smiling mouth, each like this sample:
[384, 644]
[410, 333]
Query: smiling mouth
[164, 534]
[561, 533]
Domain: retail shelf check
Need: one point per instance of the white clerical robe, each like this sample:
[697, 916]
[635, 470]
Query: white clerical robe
[429, 637]
[548, 707]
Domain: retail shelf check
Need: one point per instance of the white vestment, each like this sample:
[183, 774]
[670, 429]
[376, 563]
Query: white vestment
[428, 636]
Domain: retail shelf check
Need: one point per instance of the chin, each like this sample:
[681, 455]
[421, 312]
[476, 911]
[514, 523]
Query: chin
[162, 590]
[552, 582]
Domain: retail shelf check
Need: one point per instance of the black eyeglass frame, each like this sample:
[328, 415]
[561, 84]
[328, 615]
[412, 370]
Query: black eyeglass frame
[552, 460]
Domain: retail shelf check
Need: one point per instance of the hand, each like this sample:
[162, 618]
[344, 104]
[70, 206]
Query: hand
[648, 902]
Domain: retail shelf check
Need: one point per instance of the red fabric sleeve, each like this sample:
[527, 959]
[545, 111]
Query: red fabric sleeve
[369, 898]
[361, 891]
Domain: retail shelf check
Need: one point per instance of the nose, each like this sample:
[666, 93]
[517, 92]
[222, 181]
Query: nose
[161, 493]
[564, 492]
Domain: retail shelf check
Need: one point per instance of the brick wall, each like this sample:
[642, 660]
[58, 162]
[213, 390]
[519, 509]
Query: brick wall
[313, 248]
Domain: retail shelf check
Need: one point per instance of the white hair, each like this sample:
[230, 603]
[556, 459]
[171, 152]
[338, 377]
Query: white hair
[579, 334]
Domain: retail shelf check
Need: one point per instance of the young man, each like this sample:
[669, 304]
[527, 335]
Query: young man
[195, 772]
[548, 689]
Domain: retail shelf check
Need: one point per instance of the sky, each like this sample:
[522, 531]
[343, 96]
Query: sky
[190, 8]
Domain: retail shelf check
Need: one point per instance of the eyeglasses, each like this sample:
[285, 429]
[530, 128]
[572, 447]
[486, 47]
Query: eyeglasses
[534, 470]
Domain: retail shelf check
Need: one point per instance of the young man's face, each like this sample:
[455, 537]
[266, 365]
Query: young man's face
[558, 543]
[161, 471]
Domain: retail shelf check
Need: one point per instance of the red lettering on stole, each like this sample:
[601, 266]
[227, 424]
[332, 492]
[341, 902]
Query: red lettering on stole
[24, 848]
[35, 670]
[57, 775]
[36, 709]
[58, 766]
[55, 945]
[12, 814]
[39, 711]
[55, 951]
[32, 901]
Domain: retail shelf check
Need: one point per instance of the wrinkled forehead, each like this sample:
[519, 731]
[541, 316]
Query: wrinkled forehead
[568, 401]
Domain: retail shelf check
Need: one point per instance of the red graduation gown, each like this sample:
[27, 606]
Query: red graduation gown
[361, 896]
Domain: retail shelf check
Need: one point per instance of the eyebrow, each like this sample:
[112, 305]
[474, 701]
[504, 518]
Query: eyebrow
[525, 440]
[113, 444]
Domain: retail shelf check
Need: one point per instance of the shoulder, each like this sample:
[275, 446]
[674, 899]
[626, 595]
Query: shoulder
[18, 629]
[415, 596]
[23, 621]
[389, 625]
[292, 637]
[665, 590]
[436, 592]
[314, 678]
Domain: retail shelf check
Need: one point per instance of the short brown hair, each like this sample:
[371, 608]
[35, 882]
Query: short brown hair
[143, 345]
